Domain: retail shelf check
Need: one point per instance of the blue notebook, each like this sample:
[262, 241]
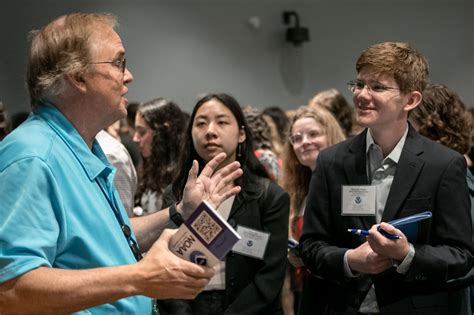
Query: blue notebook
[415, 227]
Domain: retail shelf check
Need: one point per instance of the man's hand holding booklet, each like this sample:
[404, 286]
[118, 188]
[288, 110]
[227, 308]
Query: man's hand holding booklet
[204, 238]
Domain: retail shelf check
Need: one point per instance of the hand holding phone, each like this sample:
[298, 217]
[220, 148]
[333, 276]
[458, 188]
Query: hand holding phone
[293, 244]
[294, 253]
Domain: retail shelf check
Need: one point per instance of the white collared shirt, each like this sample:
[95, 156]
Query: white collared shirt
[381, 171]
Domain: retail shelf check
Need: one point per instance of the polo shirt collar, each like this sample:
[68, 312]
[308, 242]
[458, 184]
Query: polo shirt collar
[93, 161]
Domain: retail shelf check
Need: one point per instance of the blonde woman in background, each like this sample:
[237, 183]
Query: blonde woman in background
[311, 130]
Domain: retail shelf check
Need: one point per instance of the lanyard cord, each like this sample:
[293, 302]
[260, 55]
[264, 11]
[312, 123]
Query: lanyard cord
[127, 232]
[124, 227]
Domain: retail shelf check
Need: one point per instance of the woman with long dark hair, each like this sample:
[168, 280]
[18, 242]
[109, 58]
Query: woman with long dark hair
[246, 282]
[159, 132]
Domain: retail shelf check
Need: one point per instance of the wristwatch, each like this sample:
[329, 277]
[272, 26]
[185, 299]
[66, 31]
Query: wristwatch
[175, 216]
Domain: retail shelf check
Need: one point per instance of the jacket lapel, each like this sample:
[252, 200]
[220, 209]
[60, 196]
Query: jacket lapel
[248, 193]
[355, 167]
[356, 160]
[408, 170]
[237, 205]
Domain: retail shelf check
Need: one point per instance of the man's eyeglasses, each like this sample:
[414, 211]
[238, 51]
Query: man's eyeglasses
[119, 63]
[356, 86]
[311, 135]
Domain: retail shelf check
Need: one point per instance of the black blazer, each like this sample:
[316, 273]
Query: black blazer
[430, 177]
[253, 286]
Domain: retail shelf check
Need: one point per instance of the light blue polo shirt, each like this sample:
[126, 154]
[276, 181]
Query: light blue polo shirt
[52, 210]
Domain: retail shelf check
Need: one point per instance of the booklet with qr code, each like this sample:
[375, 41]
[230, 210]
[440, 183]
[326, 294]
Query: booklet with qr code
[204, 238]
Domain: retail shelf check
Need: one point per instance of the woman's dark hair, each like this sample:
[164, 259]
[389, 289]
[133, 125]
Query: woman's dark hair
[279, 118]
[442, 117]
[132, 109]
[167, 121]
[248, 161]
[261, 133]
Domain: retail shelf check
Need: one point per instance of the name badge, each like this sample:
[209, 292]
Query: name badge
[252, 243]
[358, 200]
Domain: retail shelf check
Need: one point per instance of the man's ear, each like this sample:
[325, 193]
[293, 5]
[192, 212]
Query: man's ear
[414, 99]
[77, 81]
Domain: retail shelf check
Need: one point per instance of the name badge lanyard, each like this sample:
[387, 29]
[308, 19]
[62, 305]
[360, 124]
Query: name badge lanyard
[125, 228]
[127, 232]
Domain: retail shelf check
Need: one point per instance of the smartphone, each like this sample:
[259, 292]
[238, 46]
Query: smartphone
[293, 246]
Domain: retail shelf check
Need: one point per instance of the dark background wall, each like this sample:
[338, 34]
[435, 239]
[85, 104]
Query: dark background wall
[179, 49]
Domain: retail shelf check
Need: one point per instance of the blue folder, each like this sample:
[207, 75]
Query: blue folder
[415, 227]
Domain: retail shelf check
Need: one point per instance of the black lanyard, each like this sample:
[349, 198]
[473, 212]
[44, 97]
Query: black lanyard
[127, 232]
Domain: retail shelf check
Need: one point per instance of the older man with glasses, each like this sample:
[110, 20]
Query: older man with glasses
[387, 172]
[66, 243]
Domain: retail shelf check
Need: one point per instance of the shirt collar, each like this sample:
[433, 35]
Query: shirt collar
[93, 161]
[397, 150]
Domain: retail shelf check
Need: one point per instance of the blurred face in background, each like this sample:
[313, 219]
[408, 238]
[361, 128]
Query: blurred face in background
[308, 138]
[216, 130]
[143, 135]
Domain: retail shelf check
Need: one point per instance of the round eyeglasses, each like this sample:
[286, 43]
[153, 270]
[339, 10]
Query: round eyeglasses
[119, 63]
[356, 86]
[311, 135]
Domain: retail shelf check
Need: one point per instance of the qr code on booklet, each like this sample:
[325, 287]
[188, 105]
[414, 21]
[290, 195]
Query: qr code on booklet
[206, 227]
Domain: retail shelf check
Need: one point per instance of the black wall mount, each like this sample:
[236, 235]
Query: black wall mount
[295, 34]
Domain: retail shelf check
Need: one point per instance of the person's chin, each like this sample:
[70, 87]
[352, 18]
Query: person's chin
[311, 155]
[207, 156]
[124, 101]
[364, 120]
[121, 111]
[308, 161]
[124, 106]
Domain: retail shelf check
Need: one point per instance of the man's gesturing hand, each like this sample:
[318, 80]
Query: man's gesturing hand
[211, 185]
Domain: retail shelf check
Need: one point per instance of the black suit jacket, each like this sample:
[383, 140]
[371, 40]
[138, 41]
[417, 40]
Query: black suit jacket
[430, 177]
